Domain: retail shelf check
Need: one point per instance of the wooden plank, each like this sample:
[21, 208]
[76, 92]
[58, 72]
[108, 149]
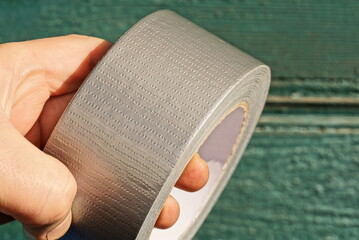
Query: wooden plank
[291, 186]
[295, 99]
[11, 231]
[312, 120]
[296, 38]
[315, 90]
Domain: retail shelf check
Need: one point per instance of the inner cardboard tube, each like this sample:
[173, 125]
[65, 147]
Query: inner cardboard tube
[217, 151]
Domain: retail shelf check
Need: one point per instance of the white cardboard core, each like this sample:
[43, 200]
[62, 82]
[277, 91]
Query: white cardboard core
[216, 150]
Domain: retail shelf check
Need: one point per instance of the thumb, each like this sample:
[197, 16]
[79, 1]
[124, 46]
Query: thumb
[35, 188]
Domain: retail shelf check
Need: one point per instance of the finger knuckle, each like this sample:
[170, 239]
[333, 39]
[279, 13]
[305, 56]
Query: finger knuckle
[58, 201]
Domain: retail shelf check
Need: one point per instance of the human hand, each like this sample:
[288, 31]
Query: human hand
[37, 80]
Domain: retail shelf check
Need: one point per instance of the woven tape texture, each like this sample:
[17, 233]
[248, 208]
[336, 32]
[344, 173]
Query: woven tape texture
[142, 113]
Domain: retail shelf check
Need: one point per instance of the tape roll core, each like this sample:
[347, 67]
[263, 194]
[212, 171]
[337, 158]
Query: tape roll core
[165, 90]
[217, 150]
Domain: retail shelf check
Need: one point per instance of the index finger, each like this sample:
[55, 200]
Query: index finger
[65, 60]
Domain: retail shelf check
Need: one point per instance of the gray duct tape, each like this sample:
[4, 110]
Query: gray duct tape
[165, 90]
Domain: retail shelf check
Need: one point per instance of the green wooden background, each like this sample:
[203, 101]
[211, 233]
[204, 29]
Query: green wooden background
[299, 178]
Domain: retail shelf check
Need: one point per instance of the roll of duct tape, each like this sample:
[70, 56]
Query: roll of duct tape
[164, 91]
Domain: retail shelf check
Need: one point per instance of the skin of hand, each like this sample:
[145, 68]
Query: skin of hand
[37, 80]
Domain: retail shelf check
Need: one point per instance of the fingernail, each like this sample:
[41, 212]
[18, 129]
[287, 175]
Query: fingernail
[28, 236]
[61, 228]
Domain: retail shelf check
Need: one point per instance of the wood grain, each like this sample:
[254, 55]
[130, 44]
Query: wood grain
[291, 186]
[299, 178]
